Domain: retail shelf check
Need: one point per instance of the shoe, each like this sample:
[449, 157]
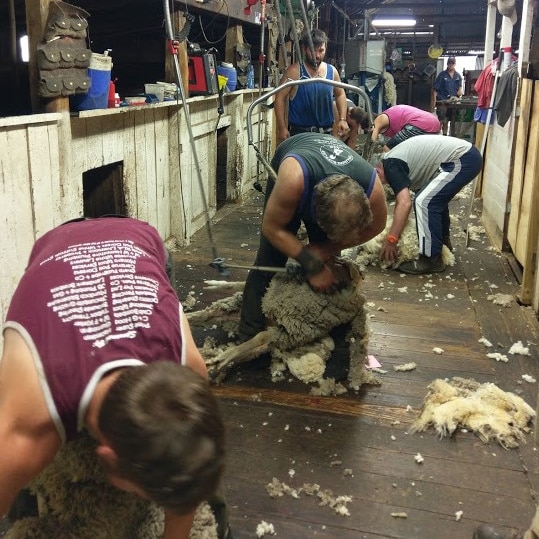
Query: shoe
[423, 264]
[488, 532]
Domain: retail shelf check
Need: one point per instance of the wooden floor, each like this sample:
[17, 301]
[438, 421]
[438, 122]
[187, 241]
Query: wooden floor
[357, 445]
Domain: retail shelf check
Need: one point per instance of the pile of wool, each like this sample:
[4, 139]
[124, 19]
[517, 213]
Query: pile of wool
[490, 412]
[300, 321]
[75, 500]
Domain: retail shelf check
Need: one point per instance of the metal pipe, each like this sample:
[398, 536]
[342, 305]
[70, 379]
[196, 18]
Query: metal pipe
[307, 29]
[187, 115]
[266, 96]
[261, 62]
[12, 32]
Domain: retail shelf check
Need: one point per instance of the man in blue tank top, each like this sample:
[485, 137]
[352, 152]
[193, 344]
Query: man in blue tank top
[309, 107]
[335, 193]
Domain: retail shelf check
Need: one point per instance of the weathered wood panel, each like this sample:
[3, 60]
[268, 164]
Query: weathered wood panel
[519, 166]
[31, 195]
[496, 177]
[44, 157]
[528, 226]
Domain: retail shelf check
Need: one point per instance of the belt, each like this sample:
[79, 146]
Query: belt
[313, 129]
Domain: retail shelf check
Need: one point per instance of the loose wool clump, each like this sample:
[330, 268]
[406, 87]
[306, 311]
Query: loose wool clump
[76, 501]
[485, 409]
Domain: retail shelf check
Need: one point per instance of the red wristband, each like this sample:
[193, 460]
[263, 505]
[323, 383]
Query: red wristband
[392, 239]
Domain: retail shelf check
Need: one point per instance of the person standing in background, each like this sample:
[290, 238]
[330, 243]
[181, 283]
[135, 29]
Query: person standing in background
[448, 84]
[309, 107]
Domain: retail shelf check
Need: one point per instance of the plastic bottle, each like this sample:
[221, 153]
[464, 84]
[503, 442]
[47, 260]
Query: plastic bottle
[251, 76]
[112, 94]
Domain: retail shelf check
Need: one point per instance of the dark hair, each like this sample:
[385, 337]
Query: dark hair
[360, 116]
[318, 38]
[342, 207]
[164, 424]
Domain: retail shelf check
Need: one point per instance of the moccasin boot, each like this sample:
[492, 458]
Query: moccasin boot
[488, 532]
[422, 265]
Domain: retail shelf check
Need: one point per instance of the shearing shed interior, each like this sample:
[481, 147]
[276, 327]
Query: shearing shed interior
[396, 406]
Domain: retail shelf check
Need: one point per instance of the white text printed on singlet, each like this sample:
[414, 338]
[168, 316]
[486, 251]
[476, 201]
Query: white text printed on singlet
[106, 299]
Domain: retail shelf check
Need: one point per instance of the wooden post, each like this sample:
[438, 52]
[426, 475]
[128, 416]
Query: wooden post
[36, 18]
[529, 211]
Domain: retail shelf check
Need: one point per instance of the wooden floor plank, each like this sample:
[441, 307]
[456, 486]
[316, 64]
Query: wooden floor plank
[384, 477]
[278, 427]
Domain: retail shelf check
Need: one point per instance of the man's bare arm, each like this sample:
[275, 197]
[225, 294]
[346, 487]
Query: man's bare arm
[29, 440]
[280, 103]
[282, 206]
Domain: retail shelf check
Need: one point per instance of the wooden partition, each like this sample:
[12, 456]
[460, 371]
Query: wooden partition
[46, 158]
[522, 233]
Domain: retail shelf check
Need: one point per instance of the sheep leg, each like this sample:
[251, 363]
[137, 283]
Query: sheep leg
[243, 352]
[229, 286]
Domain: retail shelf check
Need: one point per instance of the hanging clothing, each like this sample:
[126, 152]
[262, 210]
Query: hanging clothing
[505, 95]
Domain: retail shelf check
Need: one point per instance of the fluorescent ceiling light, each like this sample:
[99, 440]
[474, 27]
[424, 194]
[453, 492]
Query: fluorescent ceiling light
[402, 33]
[394, 22]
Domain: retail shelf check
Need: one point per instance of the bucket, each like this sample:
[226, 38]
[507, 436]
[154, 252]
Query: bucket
[228, 71]
[98, 93]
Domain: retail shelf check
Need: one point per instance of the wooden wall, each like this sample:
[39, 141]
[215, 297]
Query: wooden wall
[523, 224]
[511, 188]
[32, 198]
[44, 157]
[495, 181]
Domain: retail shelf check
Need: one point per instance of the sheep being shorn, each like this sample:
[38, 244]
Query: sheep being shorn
[300, 321]
[76, 501]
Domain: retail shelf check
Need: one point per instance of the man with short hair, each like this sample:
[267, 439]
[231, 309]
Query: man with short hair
[448, 84]
[435, 169]
[309, 107]
[338, 197]
[95, 339]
